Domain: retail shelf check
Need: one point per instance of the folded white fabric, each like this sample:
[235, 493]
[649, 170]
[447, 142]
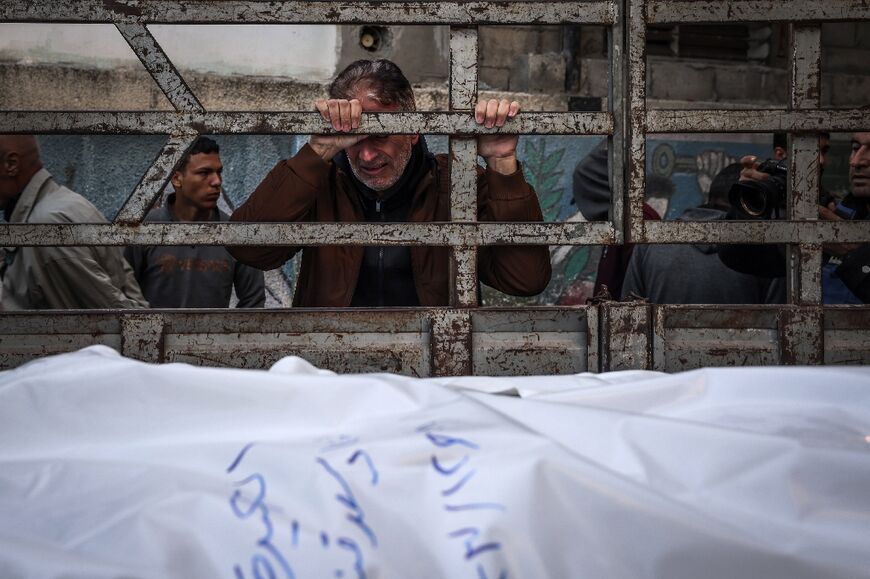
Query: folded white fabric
[115, 468]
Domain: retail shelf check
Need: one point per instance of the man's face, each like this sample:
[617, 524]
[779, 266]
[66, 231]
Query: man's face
[859, 165]
[199, 183]
[379, 160]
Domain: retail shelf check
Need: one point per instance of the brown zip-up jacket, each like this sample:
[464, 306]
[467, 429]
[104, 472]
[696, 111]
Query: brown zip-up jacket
[307, 188]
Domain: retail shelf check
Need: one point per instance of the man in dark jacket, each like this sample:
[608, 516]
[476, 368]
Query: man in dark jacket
[390, 178]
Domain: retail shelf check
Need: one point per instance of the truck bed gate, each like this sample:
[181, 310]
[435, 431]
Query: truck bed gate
[464, 338]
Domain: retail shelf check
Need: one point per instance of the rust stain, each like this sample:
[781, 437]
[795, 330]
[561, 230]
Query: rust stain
[122, 8]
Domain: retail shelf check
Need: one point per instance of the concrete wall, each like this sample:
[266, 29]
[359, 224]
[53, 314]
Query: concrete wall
[422, 52]
[305, 53]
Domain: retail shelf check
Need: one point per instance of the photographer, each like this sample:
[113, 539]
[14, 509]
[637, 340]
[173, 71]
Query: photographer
[760, 194]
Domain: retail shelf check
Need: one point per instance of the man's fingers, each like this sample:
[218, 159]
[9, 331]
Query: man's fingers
[334, 114]
[355, 113]
[491, 113]
[480, 112]
[344, 115]
[494, 113]
[502, 112]
[322, 108]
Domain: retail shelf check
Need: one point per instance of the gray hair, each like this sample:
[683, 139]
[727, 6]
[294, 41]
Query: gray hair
[381, 80]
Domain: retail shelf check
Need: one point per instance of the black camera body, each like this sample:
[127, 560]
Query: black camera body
[764, 199]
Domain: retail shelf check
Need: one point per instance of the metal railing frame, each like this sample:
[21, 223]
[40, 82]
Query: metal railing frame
[627, 332]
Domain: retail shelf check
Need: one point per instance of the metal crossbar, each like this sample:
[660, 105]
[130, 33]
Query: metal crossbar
[611, 336]
[317, 12]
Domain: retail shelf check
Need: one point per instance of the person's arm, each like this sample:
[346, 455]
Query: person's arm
[71, 278]
[504, 195]
[287, 194]
[522, 270]
[250, 286]
[289, 191]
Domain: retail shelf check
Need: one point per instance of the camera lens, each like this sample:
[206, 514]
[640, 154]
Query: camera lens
[753, 202]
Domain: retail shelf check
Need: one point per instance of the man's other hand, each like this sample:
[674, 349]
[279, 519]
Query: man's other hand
[344, 115]
[500, 151]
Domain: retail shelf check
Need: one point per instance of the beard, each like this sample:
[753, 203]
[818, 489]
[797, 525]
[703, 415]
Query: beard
[395, 167]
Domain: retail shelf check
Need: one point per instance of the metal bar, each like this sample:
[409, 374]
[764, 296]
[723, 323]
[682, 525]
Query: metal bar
[277, 234]
[659, 337]
[802, 336]
[811, 232]
[463, 264]
[757, 121]
[463, 68]
[282, 234]
[636, 123]
[804, 177]
[720, 316]
[806, 79]
[805, 274]
[451, 343]
[463, 179]
[806, 70]
[142, 336]
[156, 123]
[805, 261]
[593, 339]
[159, 66]
[298, 12]
[719, 11]
[625, 336]
[463, 174]
[616, 150]
[155, 179]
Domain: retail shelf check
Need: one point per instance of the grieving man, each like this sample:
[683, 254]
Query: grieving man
[391, 178]
[55, 277]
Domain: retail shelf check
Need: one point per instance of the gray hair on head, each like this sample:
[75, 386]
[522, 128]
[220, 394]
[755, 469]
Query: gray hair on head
[381, 80]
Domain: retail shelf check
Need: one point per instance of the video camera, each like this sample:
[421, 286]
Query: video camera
[765, 199]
